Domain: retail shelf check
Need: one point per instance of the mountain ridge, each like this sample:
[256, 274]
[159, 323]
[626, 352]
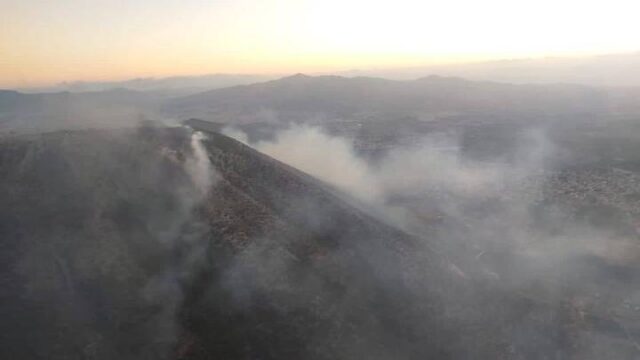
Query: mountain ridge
[96, 222]
[340, 97]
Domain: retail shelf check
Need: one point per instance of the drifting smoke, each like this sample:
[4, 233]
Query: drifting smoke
[434, 163]
[184, 234]
[331, 159]
[271, 264]
[489, 219]
[235, 134]
[495, 219]
[199, 166]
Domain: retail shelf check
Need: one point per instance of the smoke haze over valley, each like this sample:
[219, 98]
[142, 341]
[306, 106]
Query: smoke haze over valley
[397, 219]
[470, 189]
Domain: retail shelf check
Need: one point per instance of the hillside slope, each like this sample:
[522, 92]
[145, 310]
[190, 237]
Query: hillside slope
[157, 243]
[110, 250]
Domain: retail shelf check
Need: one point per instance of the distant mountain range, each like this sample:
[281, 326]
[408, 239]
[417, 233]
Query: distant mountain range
[602, 70]
[599, 70]
[173, 85]
[303, 98]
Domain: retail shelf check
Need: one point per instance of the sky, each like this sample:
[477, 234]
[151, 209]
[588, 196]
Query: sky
[44, 42]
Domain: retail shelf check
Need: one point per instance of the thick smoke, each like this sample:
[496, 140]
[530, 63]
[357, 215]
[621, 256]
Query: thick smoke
[331, 159]
[199, 166]
[235, 134]
[183, 234]
[435, 162]
[497, 221]
[432, 166]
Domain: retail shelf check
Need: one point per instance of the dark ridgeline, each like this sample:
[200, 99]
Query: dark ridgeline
[107, 252]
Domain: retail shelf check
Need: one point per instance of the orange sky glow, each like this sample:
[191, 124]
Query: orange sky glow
[48, 42]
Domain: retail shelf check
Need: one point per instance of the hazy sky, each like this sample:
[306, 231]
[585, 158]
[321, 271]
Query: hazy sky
[49, 41]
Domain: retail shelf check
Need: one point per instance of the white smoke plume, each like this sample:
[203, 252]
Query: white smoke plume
[199, 166]
[165, 288]
[328, 158]
[433, 173]
[433, 163]
[492, 222]
[235, 134]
